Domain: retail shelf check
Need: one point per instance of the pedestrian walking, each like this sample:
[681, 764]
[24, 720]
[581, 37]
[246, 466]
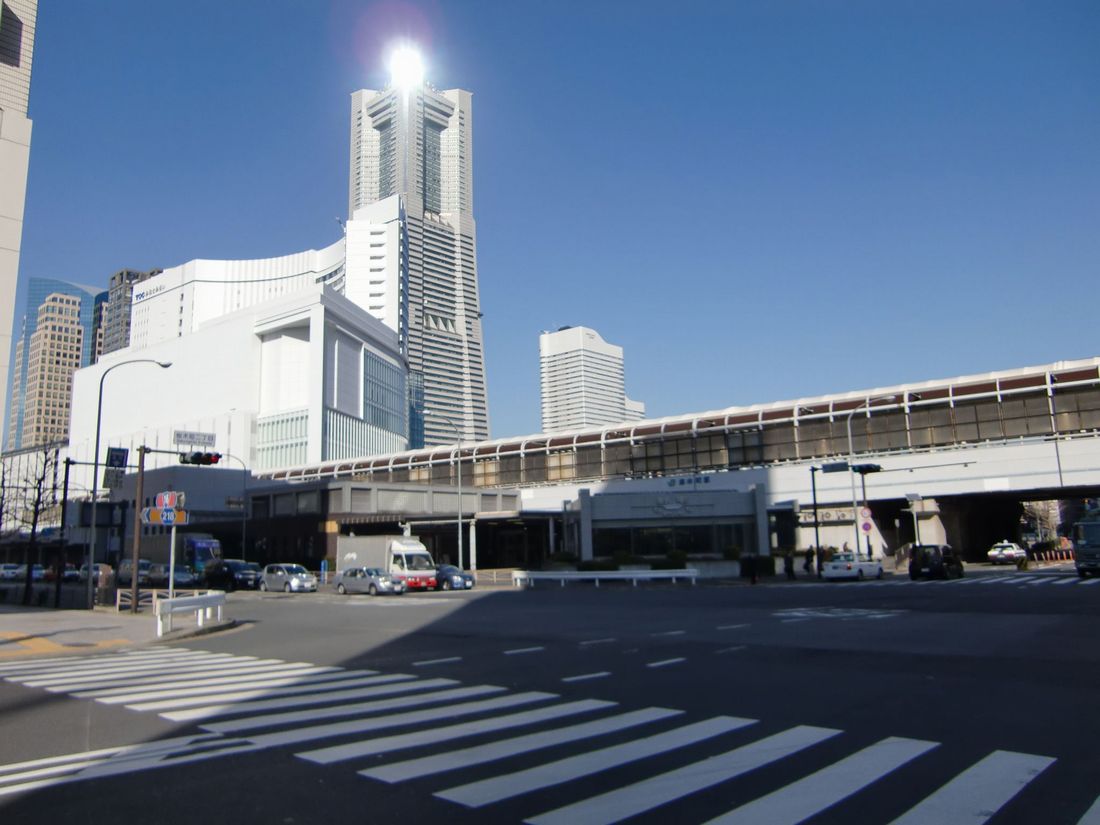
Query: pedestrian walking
[809, 565]
[788, 564]
[750, 567]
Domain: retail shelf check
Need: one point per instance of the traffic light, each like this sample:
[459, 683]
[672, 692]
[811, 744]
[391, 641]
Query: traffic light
[200, 458]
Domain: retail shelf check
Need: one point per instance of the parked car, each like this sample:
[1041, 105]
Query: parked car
[288, 578]
[100, 572]
[1006, 552]
[232, 574]
[9, 572]
[935, 561]
[38, 573]
[184, 576]
[449, 577]
[69, 573]
[124, 568]
[367, 580]
[849, 566]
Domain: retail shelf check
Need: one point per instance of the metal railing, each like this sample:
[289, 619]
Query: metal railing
[527, 578]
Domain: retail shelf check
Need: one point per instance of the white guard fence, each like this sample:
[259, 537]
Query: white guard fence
[205, 607]
[527, 578]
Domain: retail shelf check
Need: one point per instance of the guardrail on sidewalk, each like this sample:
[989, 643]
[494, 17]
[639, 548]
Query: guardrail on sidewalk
[527, 578]
[202, 606]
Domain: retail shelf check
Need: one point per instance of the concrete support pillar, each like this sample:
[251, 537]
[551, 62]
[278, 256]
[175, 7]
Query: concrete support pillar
[763, 543]
[584, 499]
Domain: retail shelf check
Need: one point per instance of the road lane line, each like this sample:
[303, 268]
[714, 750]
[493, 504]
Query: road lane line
[730, 626]
[669, 633]
[119, 669]
[1041, 581]
[385, 744]
[997, 580]
[628, 801]
[402, 700]
[133, 671]
[733, 649]
[177, 679]
[78, 662]
[494, 789]
[233, 704]
[597, 642]
[1066, 580]
[584, 677]
[666, 662]
[426, 662]
[480, 754]
[1090, 581]
[809, 796]
[220, 683]
[517, 651]
[979, 792]
[259, 682]
[1092, 815]
[295, 735]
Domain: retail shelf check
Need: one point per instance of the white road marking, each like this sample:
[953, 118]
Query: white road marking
[427, 662]
[213, 685]
[597, 642]
[666, 662]
[980, 791]
[271, 720]
[284, 678]
[1093, 580]
[669, 633]
[584, 677]
[295, 735]
[1067, 580]
[630, 800]
[519, 650]
[339, 753]
[814, 793]
[105, 673]
[730, 626]
[483, 792]
[289, 698]
[733, 649]
[78, 663]
[440, 763]
[1092, 815]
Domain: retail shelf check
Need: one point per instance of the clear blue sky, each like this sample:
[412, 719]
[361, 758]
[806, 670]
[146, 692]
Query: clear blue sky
[757, 200]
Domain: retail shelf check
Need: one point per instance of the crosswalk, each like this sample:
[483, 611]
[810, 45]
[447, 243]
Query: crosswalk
[1012, 580]
[392, 728]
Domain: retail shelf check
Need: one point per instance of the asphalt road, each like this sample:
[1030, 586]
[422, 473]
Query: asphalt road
[936, 703]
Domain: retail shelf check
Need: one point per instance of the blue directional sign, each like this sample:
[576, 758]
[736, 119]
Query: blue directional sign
[116, 457]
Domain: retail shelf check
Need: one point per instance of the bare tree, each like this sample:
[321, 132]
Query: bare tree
[35, 502]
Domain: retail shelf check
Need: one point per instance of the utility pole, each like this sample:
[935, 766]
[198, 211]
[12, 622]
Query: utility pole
[135, 552]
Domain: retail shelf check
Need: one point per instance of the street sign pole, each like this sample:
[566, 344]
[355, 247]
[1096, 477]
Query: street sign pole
[138, 493]
[172, 567]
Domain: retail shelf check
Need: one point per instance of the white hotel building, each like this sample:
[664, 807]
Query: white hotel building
[287, 360]
[582, 381]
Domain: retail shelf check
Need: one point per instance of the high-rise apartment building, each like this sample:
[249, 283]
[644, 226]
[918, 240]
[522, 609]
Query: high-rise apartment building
[42, 293]
[416, 142]
[116, 320]
[17, 26]
[53, 355]
[582, 381]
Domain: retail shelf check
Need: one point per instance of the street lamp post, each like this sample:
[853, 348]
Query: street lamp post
[458, 470]
[851, 472]
[95, 469]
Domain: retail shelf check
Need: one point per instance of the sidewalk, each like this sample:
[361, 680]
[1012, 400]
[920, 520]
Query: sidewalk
[33, 631]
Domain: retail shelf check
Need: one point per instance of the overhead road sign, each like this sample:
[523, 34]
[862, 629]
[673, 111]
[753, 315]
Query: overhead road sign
[191, 438]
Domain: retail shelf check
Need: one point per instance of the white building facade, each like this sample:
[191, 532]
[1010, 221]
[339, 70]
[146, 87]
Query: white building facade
[416, 142]
[17, 28]
[308, 376]
[582, 381]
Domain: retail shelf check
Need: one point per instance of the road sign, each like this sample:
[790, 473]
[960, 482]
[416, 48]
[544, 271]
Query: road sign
[113, 477]
[835, 467]
[191, 438]
[866, 526]
[172, 499]
[865, 512]
[163, 515]
[116, 456]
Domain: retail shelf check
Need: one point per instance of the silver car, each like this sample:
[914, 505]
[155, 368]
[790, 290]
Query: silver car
[290, 578]
[367, 580]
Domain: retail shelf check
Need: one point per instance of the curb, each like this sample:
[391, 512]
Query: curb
[192, 632]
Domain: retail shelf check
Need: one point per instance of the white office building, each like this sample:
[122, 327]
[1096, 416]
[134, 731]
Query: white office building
[304, 377]
[17, 27]
[416, 142]
[582, 381]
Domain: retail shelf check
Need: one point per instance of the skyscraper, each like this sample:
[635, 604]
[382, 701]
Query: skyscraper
[17, 25]
[116, 318]
[415, 142]
[582, 381]
[43, 293]
[53, 355]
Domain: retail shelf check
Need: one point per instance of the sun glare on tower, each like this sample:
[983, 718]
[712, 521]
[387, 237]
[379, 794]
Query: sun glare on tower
[406, 67]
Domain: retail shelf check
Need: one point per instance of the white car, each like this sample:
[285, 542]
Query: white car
[1006, 552]
[847, 566]
[290, 578]
[9, 572]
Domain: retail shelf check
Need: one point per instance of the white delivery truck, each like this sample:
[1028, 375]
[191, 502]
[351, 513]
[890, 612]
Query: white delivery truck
[403, 557]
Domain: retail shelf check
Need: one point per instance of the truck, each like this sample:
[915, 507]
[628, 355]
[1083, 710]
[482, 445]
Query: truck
[195, 550]
[403, 557]
[1086, 544]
